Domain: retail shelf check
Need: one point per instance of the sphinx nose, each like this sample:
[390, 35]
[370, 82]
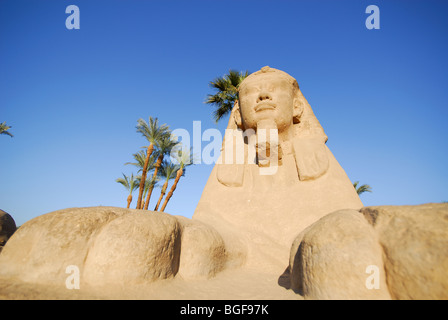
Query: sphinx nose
[264, 95]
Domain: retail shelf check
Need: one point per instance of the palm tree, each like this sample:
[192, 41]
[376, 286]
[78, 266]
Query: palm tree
[184, 158]
[164, 146]
[168, 171]
[153, 132]
[4, 129]
[361, 189]
[130, 183]
[227, 94]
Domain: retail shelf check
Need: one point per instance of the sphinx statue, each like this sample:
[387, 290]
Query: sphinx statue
[246, 200]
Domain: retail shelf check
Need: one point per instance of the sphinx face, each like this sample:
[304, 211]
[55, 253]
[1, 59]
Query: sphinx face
[267, 96]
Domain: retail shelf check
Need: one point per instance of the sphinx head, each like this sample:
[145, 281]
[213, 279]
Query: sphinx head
[269, 94]
[273, 95]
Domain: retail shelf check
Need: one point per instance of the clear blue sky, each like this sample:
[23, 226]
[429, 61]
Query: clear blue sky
[73, 97]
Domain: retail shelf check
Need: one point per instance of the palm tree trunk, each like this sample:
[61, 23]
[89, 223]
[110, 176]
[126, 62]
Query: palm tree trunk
[129, 200]
[162, 194]
[143, 179]
[151, 187]
[143, 198]
[173, 187]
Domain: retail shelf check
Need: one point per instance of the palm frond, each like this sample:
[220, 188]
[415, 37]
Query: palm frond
[223, 110]
[168, 170]
[220, 83]
[166, 144]
[124, 181]
[151, 181]
[362, 188]
[4, 129]
[130, 183]
[227, 93]
[183, 156]
[152, 131]
[236, 77]
[140, 158]
[134, 183]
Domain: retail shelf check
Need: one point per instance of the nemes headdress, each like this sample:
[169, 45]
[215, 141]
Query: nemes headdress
[309, 138]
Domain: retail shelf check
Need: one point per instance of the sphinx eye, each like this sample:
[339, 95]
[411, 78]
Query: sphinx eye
[253, 91]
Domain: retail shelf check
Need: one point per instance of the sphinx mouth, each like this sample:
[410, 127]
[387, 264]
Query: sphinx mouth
[264, 106]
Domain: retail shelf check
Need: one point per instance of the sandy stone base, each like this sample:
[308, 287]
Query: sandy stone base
[228, 285]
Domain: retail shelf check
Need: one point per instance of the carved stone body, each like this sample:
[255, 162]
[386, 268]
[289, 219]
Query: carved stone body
[264, 211]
